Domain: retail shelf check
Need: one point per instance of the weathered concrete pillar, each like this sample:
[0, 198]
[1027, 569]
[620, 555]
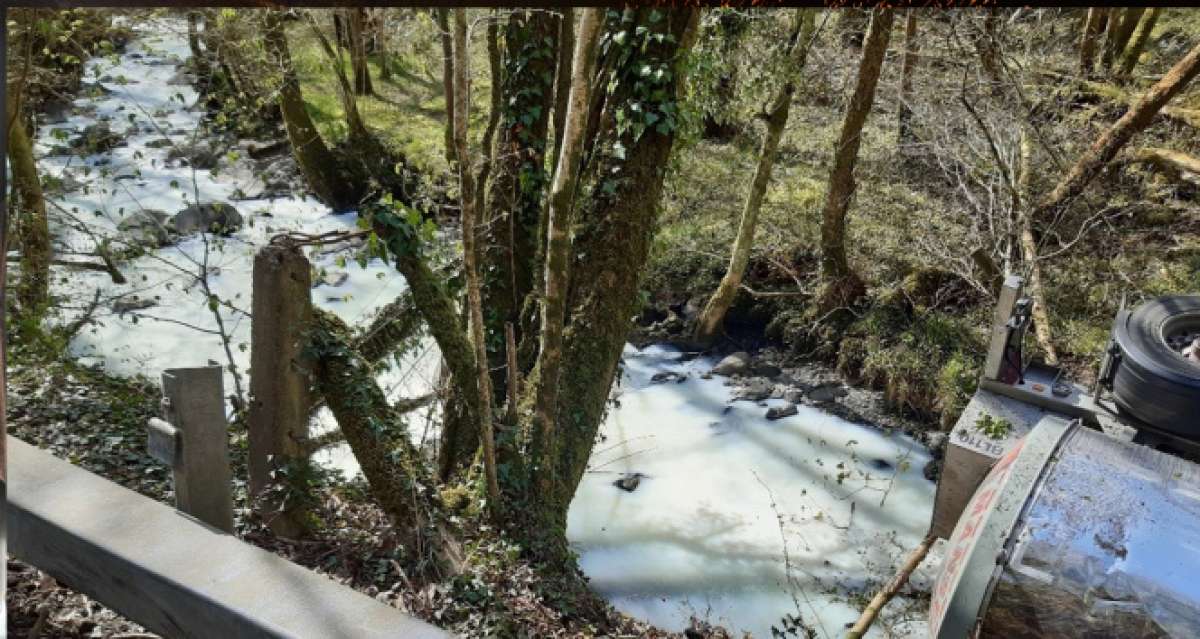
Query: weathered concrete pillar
[195, 406]
[280, 399]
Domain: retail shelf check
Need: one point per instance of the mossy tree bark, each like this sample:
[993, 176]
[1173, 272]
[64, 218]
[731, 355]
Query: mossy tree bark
[32, 226]
[1091, 35]
[318, 164]
[1134, 51]
[1029, 250]
[470, 218]
[356, 18]
[612, 240]
[558, 244]
[393, 467]
[1106, 147]
[1118, 36]
[712, 318]
[514, 224]
[842, 285]
[562, 77]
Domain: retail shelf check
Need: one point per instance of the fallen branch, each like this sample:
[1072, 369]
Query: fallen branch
[889, 591]
[1171, 163]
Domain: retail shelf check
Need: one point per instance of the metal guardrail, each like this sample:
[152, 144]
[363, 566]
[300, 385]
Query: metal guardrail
[171, 573]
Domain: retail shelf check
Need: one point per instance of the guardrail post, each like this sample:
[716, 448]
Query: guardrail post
[194, 440]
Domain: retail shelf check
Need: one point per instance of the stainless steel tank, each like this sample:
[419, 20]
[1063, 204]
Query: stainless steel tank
[1074, 534]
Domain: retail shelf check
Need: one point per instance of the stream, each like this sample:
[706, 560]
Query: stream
[734, 519]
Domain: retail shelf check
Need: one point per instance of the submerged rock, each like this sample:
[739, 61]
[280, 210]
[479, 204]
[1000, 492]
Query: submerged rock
[147, 227]
[629, 483]
[207, 217]
[668, 376]
[96, 138]
[123, 306]
[781, 411]
[733, 364]
[332, 278]
[755, 391]
[201, 154]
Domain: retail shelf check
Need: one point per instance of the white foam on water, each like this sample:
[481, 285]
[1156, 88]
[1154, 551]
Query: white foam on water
[723, 490]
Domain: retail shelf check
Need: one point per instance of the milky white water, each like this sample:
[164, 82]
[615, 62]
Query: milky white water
[701, 535]
[180, 330]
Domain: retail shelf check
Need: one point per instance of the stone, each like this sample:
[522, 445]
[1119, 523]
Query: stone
[755, 391]
[159, 143]
[668, 376]
[123, 306]
[629, 483]
[733, 364]
[147, 227]
[200, 155]
[779, 412]
[334, 278]
[826, 393]
[207, 217]
[693, 307]
[767, 369]
[793, 395]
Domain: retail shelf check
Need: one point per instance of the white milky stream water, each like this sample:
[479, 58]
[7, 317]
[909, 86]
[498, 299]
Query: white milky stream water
[736, 519]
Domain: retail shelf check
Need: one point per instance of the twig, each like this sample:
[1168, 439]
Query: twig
[884, 596]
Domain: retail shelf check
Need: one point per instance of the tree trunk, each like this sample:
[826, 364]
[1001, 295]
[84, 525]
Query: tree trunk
[358, 52]
[32, 226]
[358, 136]
[843, 286]
[199, 56]
[381, 48]
[515, 225]
[713, 317]
[1114, 46]
[561, 203]
[1134, 51]
[614, 232]
[486, 145]
[562, 77]
[905, 137]
[317, 163]
[470, 257]
[443, 22]
[1029, 248]
[1091, 34]
[377, 435]
[1118, 135]
[852, 23]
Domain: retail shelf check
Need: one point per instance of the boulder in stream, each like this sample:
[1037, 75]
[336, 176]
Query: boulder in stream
[96, 138]
[630, 482]
[733, 364]
[779, 412]
[200, 154]
[207, 217]
[147, 227]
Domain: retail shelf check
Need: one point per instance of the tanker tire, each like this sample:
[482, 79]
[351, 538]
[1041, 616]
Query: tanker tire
[1153, 383]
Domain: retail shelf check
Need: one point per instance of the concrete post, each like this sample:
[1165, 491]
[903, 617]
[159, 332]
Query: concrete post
[280, 397]
[195, 406]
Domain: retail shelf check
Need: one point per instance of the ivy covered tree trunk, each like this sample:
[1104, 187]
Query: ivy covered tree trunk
[558, 245]
[613, 235]
[712, 318]
[842, 286]
[32, 226]
[515, 210]
[317, 163]
[378, 436]
[1119, 35]
[562, 77]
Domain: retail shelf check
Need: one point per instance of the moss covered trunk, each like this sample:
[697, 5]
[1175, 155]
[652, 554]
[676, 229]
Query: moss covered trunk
[318, 165]
[843, 286]
[32, 226]
[612, 241]
[514, 220]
